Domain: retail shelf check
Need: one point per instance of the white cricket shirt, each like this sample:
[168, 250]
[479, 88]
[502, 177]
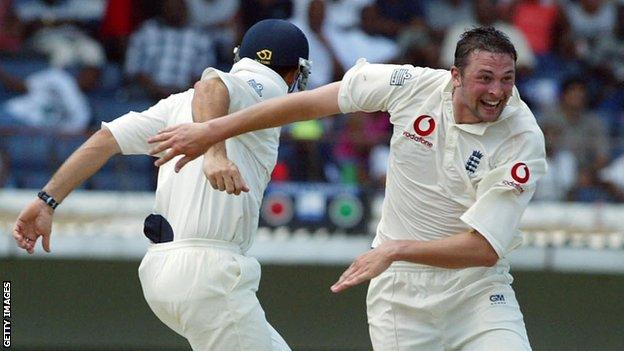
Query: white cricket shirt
[186, 199]
[445, 178]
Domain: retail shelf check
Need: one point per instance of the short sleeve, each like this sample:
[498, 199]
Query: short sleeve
[228, 80]
[132, 129]
[241, 94]
[375, 87]
[135, 54]
[504, 192]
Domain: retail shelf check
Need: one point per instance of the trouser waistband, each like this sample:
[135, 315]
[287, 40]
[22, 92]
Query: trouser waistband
[196, 242]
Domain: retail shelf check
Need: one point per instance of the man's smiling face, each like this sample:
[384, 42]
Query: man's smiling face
[482, 90]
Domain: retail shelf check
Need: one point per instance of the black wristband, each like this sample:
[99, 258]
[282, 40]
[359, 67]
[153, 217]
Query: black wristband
[49, 200]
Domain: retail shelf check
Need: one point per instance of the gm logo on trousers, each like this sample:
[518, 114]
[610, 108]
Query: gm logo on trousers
[497, 299]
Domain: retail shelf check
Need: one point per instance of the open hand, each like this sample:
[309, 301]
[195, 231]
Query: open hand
[365, 267]
[188, 139]
[34, 221]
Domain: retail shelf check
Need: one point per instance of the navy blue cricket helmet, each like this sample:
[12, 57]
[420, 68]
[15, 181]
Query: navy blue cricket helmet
[277, 43]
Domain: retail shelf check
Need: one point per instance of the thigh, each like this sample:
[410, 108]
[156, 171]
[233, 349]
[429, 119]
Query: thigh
[496, 340]
[491, 317]
[155, 292]
[250, 332]
[279, 344]
[399, 316]
[236, 320]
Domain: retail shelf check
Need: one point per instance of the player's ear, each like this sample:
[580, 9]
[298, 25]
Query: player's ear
[291, 76]
[456, 76]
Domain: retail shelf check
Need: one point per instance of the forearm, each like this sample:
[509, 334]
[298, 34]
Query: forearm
[300, 106]
[467, 249]
[82, 164]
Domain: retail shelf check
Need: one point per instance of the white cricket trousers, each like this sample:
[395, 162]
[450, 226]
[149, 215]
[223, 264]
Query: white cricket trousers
[205, 290]
[424, 308]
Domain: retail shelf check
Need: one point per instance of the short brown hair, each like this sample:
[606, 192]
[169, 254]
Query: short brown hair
[487, 39]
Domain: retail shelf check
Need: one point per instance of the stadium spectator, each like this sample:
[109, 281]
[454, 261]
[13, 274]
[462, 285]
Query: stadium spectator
[352, 153]
[443, 14]
[345, 33]
[562, 168]
[607, 63]
[582, 130]
[306, 155]
[11, 28]
[59, 29]
[51, 99]
[589, 20]
[390, 18]
[218, 18]
[608, 56]
[486, 14]
[252, 11]
[166, 54]
[121, 18]
[418, 48]
[212, 14]
[613, 174]
[565, 60]
[539, 21]
[327, 67]
[591, 188]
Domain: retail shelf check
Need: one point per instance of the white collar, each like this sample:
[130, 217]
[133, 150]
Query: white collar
[247, 64]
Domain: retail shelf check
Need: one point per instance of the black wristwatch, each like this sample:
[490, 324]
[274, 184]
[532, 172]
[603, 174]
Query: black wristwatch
[48, 199]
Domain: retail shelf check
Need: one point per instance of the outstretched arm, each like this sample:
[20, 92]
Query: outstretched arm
[35, 220]
[192, 140]
[468, 249]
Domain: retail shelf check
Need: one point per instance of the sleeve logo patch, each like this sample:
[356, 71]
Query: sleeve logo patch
[399, 76]
[520, 172]
[258, 87]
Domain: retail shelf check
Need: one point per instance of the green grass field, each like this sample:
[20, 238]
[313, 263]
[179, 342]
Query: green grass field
[98, 305]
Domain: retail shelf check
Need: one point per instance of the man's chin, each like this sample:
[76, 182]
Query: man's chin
[489, 116]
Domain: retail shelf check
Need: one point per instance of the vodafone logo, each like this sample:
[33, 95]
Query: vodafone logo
[424, 125]
[520, 172]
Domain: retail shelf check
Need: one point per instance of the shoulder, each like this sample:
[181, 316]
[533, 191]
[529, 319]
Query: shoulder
[393, 75]
[523, 137]
[216, 80]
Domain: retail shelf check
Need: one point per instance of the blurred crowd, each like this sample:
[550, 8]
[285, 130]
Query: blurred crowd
[68, 65]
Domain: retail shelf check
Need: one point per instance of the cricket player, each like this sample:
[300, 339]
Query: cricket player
[465, 155]
[196, 277]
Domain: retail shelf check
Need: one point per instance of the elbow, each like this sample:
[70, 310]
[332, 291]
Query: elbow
[487, 256]
[200, 85]
[489, 259]
[104, 141]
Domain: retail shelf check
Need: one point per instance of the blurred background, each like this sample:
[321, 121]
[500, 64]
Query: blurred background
[68, 65]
